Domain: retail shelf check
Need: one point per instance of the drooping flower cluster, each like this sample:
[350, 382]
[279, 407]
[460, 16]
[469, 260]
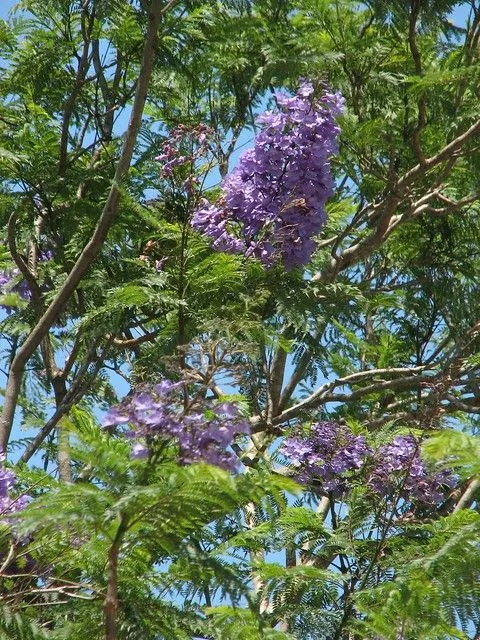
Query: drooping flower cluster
[203, 430]
[329, 453]
[273, 201]
[8, 504]
[399, 470]
[18, 563]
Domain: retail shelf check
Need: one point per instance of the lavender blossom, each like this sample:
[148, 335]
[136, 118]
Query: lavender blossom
[9, 504]
[273, 201]
[329, 454]
[4, 280]
[45, 255]
[202, 431]
[399, 469]
[11, 282]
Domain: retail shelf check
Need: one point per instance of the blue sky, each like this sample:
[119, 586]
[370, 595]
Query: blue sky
[5, 6]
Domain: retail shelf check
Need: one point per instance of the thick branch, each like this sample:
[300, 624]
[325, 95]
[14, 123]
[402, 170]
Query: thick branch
[276, 380]
[306, 557]
[110, 605]
[317, 399]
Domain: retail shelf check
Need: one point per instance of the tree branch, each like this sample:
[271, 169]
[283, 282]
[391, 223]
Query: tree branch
[409, 379]
[94, 246]
[74, 393]
[110, 605]
[324, 394]
[276, 376]
[79, 81]
[468, 495]
[422, 113]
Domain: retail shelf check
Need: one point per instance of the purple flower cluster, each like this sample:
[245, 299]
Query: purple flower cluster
[399, 469]
[329, 453]
[9, 505]
[45, 255]
[273, 201]
[203, 430]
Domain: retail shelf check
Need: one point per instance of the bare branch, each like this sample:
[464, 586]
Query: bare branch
[296, 377]
[383, 212]
[468, 495]
[77, 389]
[19, 261]
[409, 379]
[133, 342]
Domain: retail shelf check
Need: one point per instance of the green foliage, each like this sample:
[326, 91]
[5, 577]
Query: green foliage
[456, 450]
[380, 331]
[434, 590]
[14, 626]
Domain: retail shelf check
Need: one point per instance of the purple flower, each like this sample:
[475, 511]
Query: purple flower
[7, 480]
[10, 282]
[144, 402]
[202, 431]
[139, 450]
[45, 256]
[273, 202]
[329, 454]
[184, 146]
[227, 409]
[159, 264]
[9, 504]
[164, 388]
[115, 416]
[399, 471]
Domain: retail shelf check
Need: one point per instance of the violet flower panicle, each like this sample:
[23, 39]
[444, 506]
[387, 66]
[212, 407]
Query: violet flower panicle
[399, 470]
[273, 202]
[203, 432]
[9, 504]
[329, 453]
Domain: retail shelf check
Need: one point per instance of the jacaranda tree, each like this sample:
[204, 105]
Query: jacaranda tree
[240, 320]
